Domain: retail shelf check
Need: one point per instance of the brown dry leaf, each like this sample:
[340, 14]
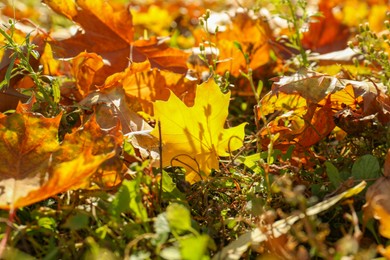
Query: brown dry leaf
[35, 166]
[318, 125]
[144, 85]
[108, 31]
[315, 87]
[307, 124]
[311, 85]
[303, 108]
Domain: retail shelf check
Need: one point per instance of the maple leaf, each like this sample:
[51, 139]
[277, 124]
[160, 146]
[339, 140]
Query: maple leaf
[244, 36]
[305, 106]
[326, 33]
[35, 166]
[84, 67]
[143, 85]
[108, 32]
[194, 137]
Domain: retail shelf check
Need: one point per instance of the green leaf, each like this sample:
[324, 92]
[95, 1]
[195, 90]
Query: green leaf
[288, 153]
[56, 90]
[333, 174]
[366, 167]
[170, 191]
[194, 247]
[170, 253]
[129, 199]
[251, 161]
[48, 223]
[77, 222]
[161, 227]
[179, 218]
[8, 73]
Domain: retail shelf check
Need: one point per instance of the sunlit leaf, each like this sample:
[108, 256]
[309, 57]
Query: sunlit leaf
[111, 106]
[303, 108]
[36, 166]
[129, 200]
[326, 33]
[253, 36]
[84, 67]
[143, 85]
[156, 20]
[195, 247]
[194, 137]
[108, 32]
[179, 218]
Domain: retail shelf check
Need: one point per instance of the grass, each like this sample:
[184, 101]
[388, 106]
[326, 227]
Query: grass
[161, 216]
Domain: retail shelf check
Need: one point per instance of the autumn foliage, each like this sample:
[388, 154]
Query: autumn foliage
[187, 127]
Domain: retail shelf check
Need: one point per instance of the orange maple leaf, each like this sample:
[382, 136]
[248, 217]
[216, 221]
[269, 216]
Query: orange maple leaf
[108, 32]
[244, 36]
[144, 85]
[36, 166]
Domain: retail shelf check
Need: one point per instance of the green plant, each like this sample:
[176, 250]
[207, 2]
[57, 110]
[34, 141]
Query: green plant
[374, 49]
[296, 14]
[21, 57]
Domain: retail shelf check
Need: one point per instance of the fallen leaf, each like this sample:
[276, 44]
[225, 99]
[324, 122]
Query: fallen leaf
[239, 35]
[155, 20]
[378, 205]
[35, 166]
[84, 68]
[108, 32]
[110, 106]
[297, 121]
[194, 137]
[235, 249]
[144, 85]
[385, 251]
[303, 108]
[326, 33]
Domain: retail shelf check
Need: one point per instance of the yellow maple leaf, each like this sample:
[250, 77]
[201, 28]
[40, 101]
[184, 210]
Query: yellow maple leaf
[194, 137]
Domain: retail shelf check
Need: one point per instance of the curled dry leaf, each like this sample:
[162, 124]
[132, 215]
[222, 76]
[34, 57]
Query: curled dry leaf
[194, 137]
[304, 107]
[35, 166]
